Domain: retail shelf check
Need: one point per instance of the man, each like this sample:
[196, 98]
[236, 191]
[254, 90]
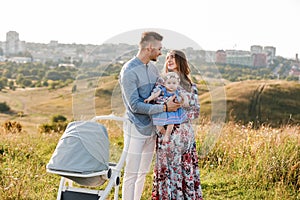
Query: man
[137, 79]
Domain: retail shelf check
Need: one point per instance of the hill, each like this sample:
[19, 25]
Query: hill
[35, 106]
[262, 102]
[270, 102]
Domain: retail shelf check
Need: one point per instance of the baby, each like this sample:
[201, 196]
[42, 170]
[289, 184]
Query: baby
[163, 92]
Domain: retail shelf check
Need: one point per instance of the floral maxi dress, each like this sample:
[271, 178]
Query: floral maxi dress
[176, 171]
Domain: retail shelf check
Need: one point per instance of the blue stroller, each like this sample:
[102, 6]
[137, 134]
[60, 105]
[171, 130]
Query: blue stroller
[82, 156]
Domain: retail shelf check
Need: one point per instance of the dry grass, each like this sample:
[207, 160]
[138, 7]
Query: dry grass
[269, 102]
[264, 162]
[243, 163]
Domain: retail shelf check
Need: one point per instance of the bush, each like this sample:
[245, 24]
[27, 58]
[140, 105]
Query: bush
[58, 118]
[58, 125]
[12, 127]
[4, 107]
[53, 128]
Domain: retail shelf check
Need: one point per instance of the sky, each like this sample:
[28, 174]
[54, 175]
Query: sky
[208, 24]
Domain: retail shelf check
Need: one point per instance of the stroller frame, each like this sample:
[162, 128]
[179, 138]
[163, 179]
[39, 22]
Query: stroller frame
[67, 191]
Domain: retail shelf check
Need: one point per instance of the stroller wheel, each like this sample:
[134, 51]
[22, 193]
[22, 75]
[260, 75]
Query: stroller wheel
[109, 173]
[117, 180]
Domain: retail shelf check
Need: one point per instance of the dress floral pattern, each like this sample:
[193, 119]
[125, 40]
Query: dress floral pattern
[176, 171]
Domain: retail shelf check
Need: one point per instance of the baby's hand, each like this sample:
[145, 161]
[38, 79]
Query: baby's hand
[147, 100]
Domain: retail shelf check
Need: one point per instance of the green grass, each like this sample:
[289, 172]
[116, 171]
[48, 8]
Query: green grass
[23, 159]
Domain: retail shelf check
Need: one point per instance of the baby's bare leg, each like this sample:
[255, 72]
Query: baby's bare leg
[168, 132]
[161, 129]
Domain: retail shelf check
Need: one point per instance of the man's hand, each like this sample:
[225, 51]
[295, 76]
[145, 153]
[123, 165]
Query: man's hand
[171, 105]
[147, 100]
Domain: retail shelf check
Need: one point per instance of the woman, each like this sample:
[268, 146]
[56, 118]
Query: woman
[176, 171]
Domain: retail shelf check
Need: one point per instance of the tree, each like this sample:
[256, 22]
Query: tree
[4, 107]
[11, 85]
[3, 83]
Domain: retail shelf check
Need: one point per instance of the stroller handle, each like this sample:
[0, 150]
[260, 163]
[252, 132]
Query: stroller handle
[120, 164]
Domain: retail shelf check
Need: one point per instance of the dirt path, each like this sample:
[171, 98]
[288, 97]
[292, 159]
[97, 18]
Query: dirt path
[255, 105]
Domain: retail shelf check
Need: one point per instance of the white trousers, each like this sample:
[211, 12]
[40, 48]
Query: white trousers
[138, 162]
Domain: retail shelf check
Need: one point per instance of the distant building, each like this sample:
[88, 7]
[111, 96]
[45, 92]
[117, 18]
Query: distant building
[243, 60]
[239, 57]
[20, 59]
[68, 65]
[2, 47]
[263, 56]
[256, 49]
[259, 60]
[13, 45]
[270, 51]
[53, 43]
[295, 69]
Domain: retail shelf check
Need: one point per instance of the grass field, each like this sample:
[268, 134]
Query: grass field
[243, 163]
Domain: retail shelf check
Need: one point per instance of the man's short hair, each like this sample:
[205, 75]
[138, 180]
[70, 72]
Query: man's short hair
[148, 37]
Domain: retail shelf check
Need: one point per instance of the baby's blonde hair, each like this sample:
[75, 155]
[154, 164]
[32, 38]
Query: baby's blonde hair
[171, 75]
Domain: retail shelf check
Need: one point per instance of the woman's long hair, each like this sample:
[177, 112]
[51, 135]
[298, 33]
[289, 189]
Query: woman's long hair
[183, 69]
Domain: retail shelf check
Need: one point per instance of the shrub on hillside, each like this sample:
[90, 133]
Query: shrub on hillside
[12, 127]
[53, 127]
[58, 118]
[4, 107]
[58, 125]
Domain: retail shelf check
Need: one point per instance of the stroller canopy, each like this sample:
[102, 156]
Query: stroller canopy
[83, 148]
